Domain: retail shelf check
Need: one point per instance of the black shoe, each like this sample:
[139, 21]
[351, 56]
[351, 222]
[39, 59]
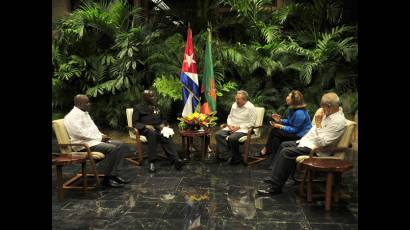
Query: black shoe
[108, 182]
[221, 159]
[268, 180]
[120, 180]
[269, 192]
[234, 162]
[178, 164]
[151, 167]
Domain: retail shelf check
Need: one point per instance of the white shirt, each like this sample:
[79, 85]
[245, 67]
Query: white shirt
[333, 127]
[81, 129]
[244, 116]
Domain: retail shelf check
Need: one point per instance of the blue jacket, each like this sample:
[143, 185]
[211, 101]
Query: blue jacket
[298, 122]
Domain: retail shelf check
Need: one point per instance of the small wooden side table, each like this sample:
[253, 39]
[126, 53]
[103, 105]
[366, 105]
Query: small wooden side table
[188, 135]
[333, 168]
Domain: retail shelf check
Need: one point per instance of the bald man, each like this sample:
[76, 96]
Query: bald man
[149, 121]
[82, 129]
[329, 125]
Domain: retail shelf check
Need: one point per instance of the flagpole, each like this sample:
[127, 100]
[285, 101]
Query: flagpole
[191, 93]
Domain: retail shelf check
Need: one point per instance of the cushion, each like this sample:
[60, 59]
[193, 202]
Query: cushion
[95, 155]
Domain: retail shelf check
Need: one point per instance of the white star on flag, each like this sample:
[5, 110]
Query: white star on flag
[189, 59]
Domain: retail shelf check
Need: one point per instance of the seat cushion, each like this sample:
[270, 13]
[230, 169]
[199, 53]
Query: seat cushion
[95, 155]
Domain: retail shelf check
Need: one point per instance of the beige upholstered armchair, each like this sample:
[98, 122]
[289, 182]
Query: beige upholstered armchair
[329, 160]
[139, 139]
[333, 152]
[70, 157]
[253, 133]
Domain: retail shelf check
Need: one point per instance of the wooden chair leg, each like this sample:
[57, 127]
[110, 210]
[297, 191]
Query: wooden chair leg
[94, 169]
[328, 196]
[84, 172]
[60, 191]
[246, 151]
[138, 146]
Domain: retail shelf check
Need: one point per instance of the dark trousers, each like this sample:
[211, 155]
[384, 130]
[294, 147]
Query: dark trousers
[155, 137]
[223, 146]
[284, 162]
[114, 152]
[276, 137]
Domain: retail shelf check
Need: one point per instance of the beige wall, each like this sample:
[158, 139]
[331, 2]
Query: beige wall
[60, 8]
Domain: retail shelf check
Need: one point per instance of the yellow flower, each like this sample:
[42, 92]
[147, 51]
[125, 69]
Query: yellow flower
[190, 117]
[202, 117]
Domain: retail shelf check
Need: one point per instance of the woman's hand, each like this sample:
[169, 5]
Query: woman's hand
[276, 117]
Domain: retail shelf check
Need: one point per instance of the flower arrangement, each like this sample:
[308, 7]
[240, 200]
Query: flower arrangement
[197, 120]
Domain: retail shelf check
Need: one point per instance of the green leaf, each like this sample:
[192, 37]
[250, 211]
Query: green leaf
[122, 53]
[130, 52]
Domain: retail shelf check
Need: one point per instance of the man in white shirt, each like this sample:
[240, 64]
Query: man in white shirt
[81, 129]
[328, 127]
[240, 119]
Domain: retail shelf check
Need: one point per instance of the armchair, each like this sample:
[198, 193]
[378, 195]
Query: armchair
[139, 139]
[70, 157]
[330, 160]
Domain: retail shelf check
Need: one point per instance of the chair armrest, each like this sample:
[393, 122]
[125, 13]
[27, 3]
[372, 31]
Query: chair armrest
[328, 149]
[136, 132]
[133, 130]
[250, 130]
[80, 144]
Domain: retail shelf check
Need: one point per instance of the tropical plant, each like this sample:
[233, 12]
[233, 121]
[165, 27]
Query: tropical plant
[99, 49]
[108, 51]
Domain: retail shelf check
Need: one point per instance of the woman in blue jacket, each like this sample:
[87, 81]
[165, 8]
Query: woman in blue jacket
[293, 128]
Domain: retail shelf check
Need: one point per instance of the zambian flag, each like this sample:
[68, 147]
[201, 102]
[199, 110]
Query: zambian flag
[208, 90]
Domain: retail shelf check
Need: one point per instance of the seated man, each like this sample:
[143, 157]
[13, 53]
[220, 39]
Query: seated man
[81, 129]
[329, 125]
[240, 119]
[149, 122]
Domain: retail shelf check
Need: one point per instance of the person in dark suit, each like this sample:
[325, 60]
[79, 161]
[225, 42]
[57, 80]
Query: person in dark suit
[149, 121]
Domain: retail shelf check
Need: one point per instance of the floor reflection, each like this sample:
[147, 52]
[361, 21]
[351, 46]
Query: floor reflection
[242, 202]
[201, 196]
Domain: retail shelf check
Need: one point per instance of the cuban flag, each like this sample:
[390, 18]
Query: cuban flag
[189, 78]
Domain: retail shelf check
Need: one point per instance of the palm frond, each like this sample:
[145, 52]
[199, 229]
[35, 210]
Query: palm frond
[271, 33]
[281, 15]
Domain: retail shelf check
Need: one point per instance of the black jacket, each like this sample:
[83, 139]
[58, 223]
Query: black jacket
[145, 114]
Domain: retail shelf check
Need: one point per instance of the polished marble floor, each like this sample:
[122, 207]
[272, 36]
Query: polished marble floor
[204, 195]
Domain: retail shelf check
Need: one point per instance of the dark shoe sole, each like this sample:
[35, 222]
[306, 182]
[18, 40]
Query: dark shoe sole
[268, 181]
[273, 193]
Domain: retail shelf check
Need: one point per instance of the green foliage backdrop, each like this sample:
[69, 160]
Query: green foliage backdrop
[109, 51]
